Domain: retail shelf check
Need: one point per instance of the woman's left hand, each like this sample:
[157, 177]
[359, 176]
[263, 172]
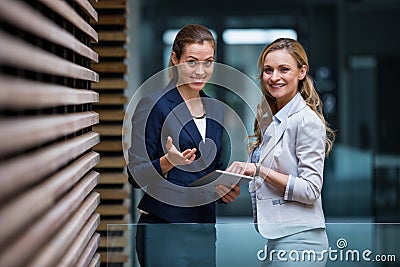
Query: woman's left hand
[228, 194]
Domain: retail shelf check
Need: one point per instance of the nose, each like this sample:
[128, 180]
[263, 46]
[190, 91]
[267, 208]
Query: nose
[274, 76]
[199, 68]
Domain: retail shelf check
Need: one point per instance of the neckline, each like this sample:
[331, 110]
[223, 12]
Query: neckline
[200, 117]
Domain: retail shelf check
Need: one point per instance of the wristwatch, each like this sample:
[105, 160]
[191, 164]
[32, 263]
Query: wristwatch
[257, 172]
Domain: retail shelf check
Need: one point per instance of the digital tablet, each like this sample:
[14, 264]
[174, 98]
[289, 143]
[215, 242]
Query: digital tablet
[222, 177]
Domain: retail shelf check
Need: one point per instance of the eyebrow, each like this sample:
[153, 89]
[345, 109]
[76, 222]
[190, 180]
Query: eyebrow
[211, 57]
[279, 66]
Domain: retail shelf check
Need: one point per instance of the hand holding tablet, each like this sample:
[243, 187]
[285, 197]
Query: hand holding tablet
[218, 177]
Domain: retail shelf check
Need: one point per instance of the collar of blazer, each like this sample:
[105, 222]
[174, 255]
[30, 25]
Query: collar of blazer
[277, 133]
[181, 112]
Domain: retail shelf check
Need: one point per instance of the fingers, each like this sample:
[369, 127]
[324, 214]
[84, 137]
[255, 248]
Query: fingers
[169, 143]
[188, 153]
[243, 168]
[237, 167]
[193, 157]
[178, 158]
[228, 194]
[232, 167]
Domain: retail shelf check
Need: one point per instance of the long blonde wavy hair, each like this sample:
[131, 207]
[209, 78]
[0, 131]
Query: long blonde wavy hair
[305, 87]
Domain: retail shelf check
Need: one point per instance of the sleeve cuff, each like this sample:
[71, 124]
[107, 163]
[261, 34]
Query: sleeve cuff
[157, 166]
[289, 188]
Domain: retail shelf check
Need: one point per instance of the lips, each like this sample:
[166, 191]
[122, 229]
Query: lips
[198, 80]
[277, 86]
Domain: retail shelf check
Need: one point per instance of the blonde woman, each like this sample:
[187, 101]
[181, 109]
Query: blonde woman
[287, 159]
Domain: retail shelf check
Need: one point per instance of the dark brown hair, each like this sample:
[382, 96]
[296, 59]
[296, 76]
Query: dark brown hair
[190, 34]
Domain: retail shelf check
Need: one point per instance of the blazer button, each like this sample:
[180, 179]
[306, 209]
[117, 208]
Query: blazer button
[259, 196]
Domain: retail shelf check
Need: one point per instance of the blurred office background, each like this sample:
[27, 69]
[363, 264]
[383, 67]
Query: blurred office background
[69, 68]
[353, 52]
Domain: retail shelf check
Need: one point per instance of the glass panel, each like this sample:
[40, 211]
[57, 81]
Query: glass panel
[240, 244]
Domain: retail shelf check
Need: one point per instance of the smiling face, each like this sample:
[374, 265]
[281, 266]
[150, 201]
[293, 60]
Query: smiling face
[195, 66]
[281, 76]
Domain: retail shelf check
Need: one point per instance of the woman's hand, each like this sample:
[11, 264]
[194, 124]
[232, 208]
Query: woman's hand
[244, 168]
[177, 158]
[228, 194]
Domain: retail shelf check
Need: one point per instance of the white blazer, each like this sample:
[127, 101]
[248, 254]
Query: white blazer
[296, 148]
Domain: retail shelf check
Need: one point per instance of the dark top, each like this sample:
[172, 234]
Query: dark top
[163, 114]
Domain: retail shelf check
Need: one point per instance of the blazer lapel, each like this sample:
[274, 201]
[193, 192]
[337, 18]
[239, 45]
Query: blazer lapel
[211, 126]
[276, 132]
[213, 116]
[182, 114]
[180, 111]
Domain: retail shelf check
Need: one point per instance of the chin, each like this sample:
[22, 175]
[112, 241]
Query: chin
[197, 86]
[276, 94]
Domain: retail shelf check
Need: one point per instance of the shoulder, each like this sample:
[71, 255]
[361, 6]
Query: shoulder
[309, 124]
[151, 107]
[302, 113]
[155, 101]
[307, 116]
[154, 97]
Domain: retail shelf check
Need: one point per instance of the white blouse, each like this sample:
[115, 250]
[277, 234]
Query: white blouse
[201, 126]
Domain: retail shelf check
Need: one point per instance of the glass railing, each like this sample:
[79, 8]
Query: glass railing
[239, 244]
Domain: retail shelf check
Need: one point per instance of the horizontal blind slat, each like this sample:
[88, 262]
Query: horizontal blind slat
[44, 195]
[109, 4]
[15, 52]
[108, 130]
[49, 255]
[111, 162]
[95, 262]
[111, 115]
[110, 20]
[113, 193]
[66, 11]
[110, 67]
[26, 18]
[80, 242]
[109, 145]
[112, 99]
[113, 225]
[113, 51]
[23, 133]
[23, 171]
[113, 178]
[114, 242]
[89, 252]
[107, 210]
[88, 8]
[17, 93]
[110, 83]
[114, 257]
[24, 247]
[112, 36]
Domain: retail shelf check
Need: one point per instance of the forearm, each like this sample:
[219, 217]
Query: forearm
[276, 179]
[165, 165]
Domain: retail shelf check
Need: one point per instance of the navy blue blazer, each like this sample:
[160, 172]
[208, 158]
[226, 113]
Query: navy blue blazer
[161, 114]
